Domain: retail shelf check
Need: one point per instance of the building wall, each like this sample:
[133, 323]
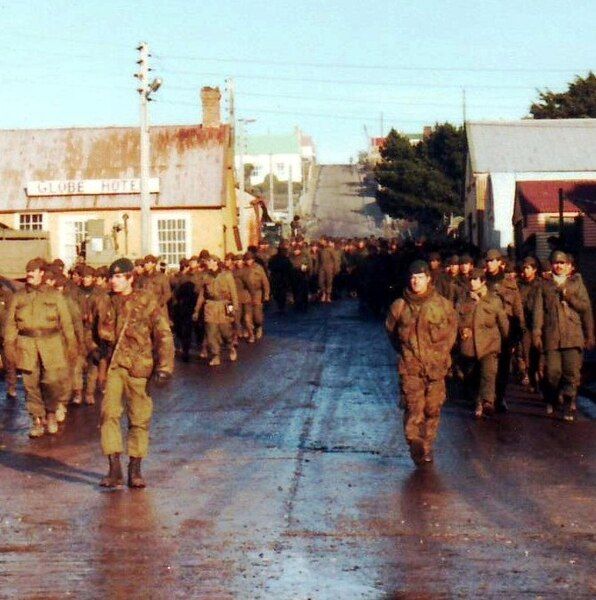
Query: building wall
[263, 163]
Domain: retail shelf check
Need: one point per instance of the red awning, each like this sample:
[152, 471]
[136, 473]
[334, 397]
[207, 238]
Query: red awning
[543, 196]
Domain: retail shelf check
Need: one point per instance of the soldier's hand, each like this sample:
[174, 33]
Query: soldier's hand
[195, 316]
[161, 378]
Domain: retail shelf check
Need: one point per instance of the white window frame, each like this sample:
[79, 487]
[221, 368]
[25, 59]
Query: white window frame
[19, 224]
[171, 216]
[65, 224]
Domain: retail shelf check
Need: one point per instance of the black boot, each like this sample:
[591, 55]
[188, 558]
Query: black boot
[135, 479]
[114, 477]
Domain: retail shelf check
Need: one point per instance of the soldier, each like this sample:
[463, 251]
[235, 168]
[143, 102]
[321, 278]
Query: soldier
[529, 289]
[448, 283]
[10, 373]
[39, 339]
[257, 284]
[280, 268]
[563, 326]
[184, 298]
[507, 290]
[483, 324]
[329, 267]
[155, 282]
[422, 327]
[301, 264]
[240, 322]
[219, 297]
[139, 331]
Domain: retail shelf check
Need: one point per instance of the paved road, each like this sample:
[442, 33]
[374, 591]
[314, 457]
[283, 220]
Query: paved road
[344, 205]
[285, 476]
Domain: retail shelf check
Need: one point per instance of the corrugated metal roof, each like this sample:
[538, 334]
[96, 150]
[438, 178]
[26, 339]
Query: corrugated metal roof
[189, 161]
[532, 145]
[543, 196]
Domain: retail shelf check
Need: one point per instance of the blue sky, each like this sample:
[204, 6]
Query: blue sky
[329, 67]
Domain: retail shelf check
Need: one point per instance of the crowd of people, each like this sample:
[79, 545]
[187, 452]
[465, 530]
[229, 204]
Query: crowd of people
[86, 333]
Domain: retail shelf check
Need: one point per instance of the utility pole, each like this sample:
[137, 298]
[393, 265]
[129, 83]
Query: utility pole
[231, 109]
[145, 90]
[290, 195]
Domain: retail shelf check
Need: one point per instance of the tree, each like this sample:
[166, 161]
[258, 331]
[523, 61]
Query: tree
[422, 182]
[578, 102]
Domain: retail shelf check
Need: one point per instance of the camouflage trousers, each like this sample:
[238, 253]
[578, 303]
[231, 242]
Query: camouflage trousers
[422, 399]
[125, 392]
[45, 389]
[326, 281]
[253, 317]
[480, 378]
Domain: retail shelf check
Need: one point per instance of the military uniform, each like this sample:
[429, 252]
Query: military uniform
[219, 298]
[423, 329]
[529, 357]
[300, 275]
[40, 341]
[329, 267]
[257, 284]
[240, 322]
[563, 325]
[483, 324]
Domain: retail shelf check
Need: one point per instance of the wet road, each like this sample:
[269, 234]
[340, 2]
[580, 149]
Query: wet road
[286, 476]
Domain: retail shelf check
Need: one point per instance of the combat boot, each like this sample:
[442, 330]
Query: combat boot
[51, 423]
[60, 413]
[135, 479]
[90, 399]
[77, 397]
[259, 333]
[215, 361]
[233, 354]
[114, 477]
[479, 411]
[36, 430]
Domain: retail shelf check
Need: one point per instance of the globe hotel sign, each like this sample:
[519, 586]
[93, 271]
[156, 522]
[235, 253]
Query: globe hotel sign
[85, 187]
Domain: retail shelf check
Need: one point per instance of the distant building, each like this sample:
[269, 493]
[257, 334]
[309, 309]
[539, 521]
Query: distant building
[285, 155]
[65, 180]
[376, 143]
[512, 161]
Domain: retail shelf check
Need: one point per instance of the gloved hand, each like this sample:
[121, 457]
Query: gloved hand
[161, 378]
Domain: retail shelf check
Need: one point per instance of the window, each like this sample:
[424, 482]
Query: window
[31, 222]
[172, 240]
[256, 172]
[280, 168]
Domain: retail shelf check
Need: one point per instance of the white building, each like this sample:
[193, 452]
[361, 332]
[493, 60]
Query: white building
[502, 153]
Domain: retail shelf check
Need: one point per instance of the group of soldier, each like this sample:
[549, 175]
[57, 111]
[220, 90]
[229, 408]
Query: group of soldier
[475, 321]
[106, 331]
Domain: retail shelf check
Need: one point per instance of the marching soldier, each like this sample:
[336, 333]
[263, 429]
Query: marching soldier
[39, 339]
[422, 326]
[155, 282]
[240, 322]
[329, 267]
[563, 326]
[219, 297]
[482, 326]
[300, 276]
[138, 329]
[257, 283]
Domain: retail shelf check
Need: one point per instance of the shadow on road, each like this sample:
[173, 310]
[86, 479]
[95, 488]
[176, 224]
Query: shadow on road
[48, 467]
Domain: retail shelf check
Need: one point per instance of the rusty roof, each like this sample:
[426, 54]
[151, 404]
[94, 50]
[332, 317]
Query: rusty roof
[188, 160]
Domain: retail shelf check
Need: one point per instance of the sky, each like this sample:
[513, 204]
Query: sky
[338, 70]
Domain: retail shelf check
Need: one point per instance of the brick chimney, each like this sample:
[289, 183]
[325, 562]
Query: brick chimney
[210, 98]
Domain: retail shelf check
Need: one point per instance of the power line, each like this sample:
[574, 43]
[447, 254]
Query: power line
[345, 82]
[340, 65]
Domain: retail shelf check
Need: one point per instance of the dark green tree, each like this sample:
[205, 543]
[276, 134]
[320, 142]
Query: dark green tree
[422, 182]
[578, 102]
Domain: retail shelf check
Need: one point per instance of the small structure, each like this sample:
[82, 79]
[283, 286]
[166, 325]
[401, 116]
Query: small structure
[82, 186]
[502, 154]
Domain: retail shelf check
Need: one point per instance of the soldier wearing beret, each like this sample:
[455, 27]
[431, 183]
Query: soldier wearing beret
[142, 344]
[422, 326]
[40, 341]
[563, 327]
